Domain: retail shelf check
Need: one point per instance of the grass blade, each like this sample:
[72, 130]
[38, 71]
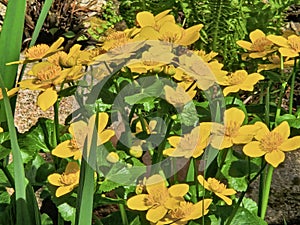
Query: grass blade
[22, 214]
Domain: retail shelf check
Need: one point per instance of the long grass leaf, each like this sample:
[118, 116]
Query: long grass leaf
[10, 45]
[22, 214]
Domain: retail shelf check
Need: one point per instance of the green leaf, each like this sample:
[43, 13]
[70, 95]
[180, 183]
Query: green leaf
[291, 119]
[46, 220]
[240, 168]
[189, 115]
[251, 205]
[67, 212]
[69, 34]
[107, 185]
[68, 91]
[244, 217]
[136, 221]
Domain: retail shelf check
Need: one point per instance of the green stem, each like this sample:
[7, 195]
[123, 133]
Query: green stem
[282, 90]
[267, 105]
[223, 155]
[266, 191]
[292, 87]
[56, 124]
[196, 179]
[123, 214]
[261, 187]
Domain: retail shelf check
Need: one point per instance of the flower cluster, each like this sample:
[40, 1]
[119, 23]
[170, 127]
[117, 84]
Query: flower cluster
[167, 205]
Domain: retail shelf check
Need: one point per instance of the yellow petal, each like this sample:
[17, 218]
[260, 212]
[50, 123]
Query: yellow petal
[227, 200]
[245, 44]
[198, 210]
[155, 183]
[162, 14]
[1, 130]
[245, 134]
[234, 115]
[253, 149]
[202, 181]
[156, 213]
[190, 35]
[174, 140]
[200, 149]
[54, 47]
[278, 40]
[30, 84]
[257, 55]
[105, 136]
[231, 89]
[290, 144]
[228, 191]
[47, 99]
[262, 131]
[72, 167]
[12, 91]
[169, 152]
[64, 190]
[148, 33]
[178, 190]
[145, 19]
[102, 121]
[221, 142]
[256, 34]
[138, 202]
[170, 31]
[63, 150]
[54, 179]
[288, 52]
[283, 129]
[275, 158]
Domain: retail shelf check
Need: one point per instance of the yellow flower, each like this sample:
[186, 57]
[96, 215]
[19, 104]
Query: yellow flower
[73, 147]
[147, 19]
[289, 46]
[46, 75]
[75, 57]
[259, 46]
[191, 144]
[240, 80]
[1, 130]
[185, 212]
[81, 130]
[149, 127]
[156, 57]
[159, 199]
[171, 32]
[177, 97]
[275, 63]
[67, 181]
[112, 157]
[40, 51]
[232, 132]
[272, 144]
[218, 188]
[9, 93]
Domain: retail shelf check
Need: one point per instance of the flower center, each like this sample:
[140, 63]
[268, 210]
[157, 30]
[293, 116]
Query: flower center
[237, 78]
[158, 198]
[294, 42]
[37, 52]
[231, 129]
[215, 185]
[69, 178]
[182, 211]
[48, 73]
[261, 45]
[271, 142]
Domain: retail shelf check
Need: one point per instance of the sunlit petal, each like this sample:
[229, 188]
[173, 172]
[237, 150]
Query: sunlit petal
[226, 199]
[256, 34]
[290, 144]
[145, 19]
[275, 158]
[283, 129]
[47, 99]
[54, 179]
[253, 149]
[155, 214]
[178, 190]
[138, 202]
